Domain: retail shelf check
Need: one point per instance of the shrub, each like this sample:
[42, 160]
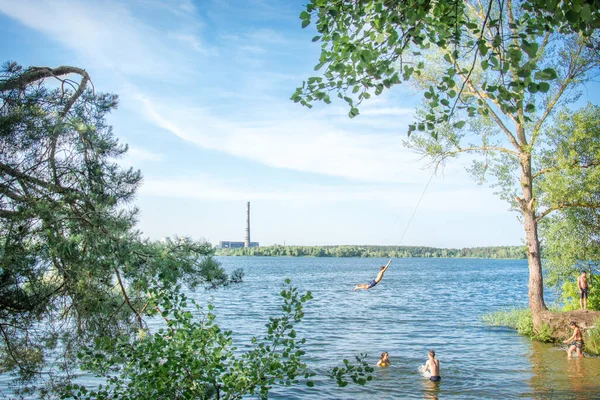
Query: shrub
[592, 341]
[193, 358]
[519, 319]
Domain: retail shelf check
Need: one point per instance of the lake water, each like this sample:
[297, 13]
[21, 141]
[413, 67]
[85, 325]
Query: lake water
[420, 304]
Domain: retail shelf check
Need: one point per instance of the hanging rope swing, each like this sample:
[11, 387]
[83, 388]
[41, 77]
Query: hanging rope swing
[416, 207]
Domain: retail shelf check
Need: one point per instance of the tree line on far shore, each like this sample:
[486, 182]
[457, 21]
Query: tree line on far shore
[369, 251]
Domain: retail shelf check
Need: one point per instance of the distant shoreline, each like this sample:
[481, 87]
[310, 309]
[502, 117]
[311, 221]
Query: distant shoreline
[373, 251]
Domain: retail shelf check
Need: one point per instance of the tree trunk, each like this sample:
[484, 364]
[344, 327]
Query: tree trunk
[536, 282]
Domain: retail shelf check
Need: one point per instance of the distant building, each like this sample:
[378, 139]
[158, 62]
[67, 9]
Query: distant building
[225, 244]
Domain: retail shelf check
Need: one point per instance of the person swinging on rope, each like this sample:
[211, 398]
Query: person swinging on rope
[374, 282]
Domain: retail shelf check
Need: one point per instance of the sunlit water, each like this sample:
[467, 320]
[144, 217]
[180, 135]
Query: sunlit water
[420, 304]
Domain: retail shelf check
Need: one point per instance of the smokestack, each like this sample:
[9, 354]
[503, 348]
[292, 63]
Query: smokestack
[247, 241]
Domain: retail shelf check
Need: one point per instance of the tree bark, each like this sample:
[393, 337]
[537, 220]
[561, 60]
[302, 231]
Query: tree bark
[536, 282]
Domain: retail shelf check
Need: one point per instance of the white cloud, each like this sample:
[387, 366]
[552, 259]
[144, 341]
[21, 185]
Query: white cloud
[285, 140]
[135, 154]
[107, 33]
[193, 41]
[439, 196]
[394, 111]
[265, 36]
[252, 49]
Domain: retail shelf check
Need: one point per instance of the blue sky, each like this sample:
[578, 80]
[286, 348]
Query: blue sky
[204, 92]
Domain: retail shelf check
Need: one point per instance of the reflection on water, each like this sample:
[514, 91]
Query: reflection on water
[431, 390]
[559, 377]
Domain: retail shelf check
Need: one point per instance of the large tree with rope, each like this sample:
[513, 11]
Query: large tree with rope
[495, 71]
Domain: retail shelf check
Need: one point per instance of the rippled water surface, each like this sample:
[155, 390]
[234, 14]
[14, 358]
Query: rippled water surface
[420, 304]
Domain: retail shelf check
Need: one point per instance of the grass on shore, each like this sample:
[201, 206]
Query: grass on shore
[592, 343]
[520, 319]
[516, 318]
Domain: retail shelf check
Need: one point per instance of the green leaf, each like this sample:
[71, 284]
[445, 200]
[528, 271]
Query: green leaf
[353, 112]
[459, 124]
[547, 74]
[533, 87]
[572, 16]
[544, 87]
[305, 23]
[586, 13]
[530, 48]
[304, 15]
[482, 47]
[496, 41]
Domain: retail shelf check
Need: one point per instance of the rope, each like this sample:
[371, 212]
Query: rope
[417, 206]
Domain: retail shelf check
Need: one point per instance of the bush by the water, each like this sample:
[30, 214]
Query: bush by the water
[592, 343]
[516, 318]
[521, 320]
[570, 297]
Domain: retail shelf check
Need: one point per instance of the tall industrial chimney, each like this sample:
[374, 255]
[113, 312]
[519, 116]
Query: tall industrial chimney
[247, 240]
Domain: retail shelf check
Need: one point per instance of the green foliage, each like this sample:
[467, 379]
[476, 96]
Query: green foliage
[581, 16]
[592, 340]
[372, 45]
[571, 184]
[521, 320]
[193, 358]
[72, 267]
[359, 373]
[517, 318]
[492, 76]
[545, 334]
[569, 296]
[500, 252]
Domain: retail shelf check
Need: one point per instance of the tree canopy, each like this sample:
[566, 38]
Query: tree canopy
[572, 155]
[514, 252]
[72, 266]
[492, 73]
[78, 283]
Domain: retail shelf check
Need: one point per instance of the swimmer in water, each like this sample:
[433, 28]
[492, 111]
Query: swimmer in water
[385, 360]
[367, 286]
[575, 341]
[433, 366]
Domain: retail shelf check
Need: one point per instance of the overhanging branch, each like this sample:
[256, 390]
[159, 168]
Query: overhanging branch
[567, 205]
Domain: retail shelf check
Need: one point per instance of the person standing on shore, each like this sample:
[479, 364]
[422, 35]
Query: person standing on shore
[584, 290]
[367, 286]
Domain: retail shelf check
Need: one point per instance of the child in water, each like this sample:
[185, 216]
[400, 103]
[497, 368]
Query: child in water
[385, 360]
[433, 366]
[575, 341]
[375, 281]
